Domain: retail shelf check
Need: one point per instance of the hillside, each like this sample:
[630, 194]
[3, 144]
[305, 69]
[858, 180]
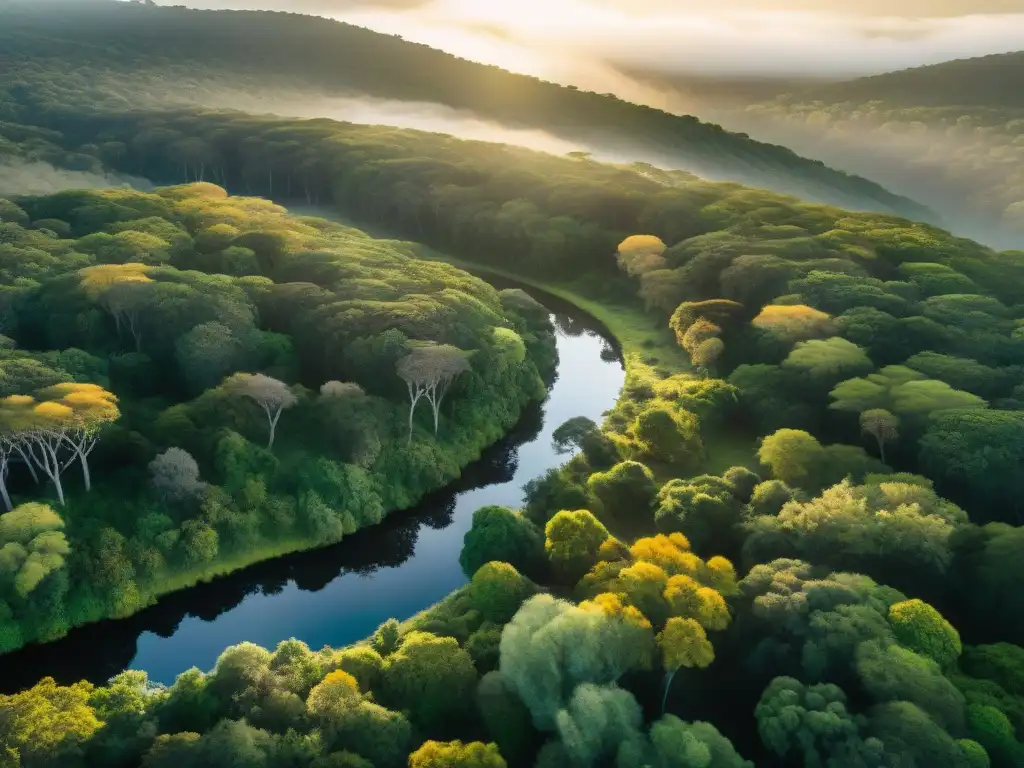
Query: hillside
[987, 81]
[950, 136]
[134, 55]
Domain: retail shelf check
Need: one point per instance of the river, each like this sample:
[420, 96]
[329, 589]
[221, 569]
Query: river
[340, 594]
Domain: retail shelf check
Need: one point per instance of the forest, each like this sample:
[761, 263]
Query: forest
[950, 136]
[794, 542]
[127, 55]
[230, 383]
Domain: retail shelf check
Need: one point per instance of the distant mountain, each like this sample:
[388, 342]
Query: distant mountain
[97, 44]
[989, 81]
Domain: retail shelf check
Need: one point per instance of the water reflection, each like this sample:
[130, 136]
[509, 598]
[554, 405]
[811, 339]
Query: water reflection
[341, 593]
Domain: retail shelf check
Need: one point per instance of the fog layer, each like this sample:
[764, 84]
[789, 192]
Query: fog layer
[19, 177]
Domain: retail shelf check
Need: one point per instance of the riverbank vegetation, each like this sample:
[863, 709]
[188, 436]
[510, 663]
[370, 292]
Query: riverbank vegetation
[192, 382]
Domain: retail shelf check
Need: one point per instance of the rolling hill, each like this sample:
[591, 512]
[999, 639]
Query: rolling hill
[987, 81]
[118, 54]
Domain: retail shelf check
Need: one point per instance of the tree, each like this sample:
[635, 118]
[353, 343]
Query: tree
[699, 340]
[91, 408]
[337, 390]
[672, 743]
[881, 425]
[595, 721]
[669, 435]
[386, 637]
[206, 354]
[570, 434]
[683, 643]
[500, 534]
[429, 371]
[431, 678]
[271, 395]
[455, 754]
[44, 720]
[551, 646]
[922, 629]
[41, 431]
[639, 254]
[792, 455]
[32, 546]
[793, 322]
[981, 452]
[174, 474]
[770, 497]
[626, 491]
[812, 725]
[896, 532]
[572, 540]
[716, 311]
[890, 672]
[828, 360]
[498, 590]
[124, 291]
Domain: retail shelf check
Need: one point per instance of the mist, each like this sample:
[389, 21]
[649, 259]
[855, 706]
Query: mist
[34, 177]
[928, 165]
[422, 116]
[601, 44]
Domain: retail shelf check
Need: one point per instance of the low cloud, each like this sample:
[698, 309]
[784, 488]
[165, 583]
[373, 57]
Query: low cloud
[18, 177]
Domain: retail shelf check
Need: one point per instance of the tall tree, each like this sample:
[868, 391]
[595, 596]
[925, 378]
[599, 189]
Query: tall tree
[881, 425]
[91, 408]
[271, 395]
[428, 372]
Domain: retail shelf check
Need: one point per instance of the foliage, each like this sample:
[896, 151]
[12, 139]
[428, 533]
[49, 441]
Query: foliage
[204, 358]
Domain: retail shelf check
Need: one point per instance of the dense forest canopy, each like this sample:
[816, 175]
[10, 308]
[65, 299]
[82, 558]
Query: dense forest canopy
[794, 542]
[232, 382]
[105, 52]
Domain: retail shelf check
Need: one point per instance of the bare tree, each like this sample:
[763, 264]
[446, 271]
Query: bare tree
[882, 425]
[429, 372]
[271, 395]
[175, 475]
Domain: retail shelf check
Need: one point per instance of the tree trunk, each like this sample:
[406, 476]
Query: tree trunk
[881, 448]
[668, 683]
[51, 466]
[273, 427]
[28, 463]
[85, 471]
[3, 488]
[414, 398]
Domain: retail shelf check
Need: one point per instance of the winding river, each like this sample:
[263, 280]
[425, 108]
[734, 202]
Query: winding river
[340, 594]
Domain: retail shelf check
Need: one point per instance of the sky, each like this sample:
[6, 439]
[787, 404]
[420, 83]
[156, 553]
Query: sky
[590, 43]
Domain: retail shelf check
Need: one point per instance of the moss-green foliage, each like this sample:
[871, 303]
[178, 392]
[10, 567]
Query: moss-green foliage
[500, 534]
[921, 628]
[498, 589]
[328, 307]
[625, 492]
